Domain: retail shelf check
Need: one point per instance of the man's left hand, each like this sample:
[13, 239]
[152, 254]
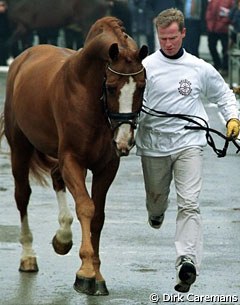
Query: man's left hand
[233, 128]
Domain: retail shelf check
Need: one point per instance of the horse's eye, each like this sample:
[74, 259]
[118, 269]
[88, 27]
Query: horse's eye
[111, 89]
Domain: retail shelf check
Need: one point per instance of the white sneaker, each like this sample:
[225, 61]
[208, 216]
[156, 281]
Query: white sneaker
[186, 274]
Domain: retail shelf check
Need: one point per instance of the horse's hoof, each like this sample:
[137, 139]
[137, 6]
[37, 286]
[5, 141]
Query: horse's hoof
[61, 248]
[101, 288]
[85, 285]
[28, 265]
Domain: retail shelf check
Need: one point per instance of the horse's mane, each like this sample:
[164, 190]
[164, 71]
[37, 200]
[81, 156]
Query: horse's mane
[112, 25]
[117, 28]
[103, 34]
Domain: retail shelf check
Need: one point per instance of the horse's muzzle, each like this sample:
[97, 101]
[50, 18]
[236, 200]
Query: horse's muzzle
[123, 151]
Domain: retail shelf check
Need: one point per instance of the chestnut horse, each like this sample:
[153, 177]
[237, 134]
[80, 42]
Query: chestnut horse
[66, 112]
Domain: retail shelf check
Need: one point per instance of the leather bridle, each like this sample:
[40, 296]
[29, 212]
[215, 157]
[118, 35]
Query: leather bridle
[116, 119]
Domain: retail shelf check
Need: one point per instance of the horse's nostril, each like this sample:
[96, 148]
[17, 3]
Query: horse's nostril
[123, 149]
[124, 153]
[131, 143]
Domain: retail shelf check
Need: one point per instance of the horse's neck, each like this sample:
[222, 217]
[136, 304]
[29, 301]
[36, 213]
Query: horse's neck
[89, 68]
[81, 70]
[98, 46]
[92, 60]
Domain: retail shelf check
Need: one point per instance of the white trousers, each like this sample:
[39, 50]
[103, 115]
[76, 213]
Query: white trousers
[186, 170]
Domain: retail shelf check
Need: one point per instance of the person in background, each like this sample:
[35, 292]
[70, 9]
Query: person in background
[217, 21]
[161, 5]
[142, 22]
[178, 83]
[73, 36]
[234, 16]
[48, 36]
[4, 34]
[121, 10]
[194, 11]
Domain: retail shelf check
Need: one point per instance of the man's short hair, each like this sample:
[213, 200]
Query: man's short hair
[168, 16]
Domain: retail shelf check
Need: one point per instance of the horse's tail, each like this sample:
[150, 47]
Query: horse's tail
[40, 167]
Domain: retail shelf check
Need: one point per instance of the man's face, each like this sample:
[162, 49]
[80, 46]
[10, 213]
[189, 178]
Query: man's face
[171, 38]
[3, 7]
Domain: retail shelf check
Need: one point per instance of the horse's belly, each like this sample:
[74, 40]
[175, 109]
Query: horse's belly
[40, 135]
[36, 124]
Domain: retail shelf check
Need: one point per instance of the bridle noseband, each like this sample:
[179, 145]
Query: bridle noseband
[116, 119]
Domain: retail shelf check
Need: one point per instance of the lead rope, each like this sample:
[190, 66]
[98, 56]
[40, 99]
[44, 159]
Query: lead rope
[191, 118]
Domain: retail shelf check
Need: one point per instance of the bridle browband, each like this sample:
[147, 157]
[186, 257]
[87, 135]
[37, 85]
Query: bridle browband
[116, 119]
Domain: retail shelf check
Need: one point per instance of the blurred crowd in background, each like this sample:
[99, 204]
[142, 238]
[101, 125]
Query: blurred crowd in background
[202, 17]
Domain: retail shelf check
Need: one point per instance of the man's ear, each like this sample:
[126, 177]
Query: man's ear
[184, 32]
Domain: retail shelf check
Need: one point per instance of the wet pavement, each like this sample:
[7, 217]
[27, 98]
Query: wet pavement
[137, 261]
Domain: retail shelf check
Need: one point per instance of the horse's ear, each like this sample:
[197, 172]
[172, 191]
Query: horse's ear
[114, 51]
[143, 52]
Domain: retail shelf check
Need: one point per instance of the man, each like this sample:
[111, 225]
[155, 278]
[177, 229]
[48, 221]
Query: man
[176, 82]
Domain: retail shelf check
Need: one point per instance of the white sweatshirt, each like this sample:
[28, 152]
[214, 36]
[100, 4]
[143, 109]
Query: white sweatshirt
[179, 86]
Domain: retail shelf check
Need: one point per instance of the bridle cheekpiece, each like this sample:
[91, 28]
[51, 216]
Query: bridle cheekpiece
[116, 119]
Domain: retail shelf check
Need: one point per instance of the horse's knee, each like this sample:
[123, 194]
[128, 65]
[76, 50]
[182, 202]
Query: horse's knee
[85, 209]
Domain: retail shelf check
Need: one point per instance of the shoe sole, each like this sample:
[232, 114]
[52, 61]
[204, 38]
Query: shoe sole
[187, 276]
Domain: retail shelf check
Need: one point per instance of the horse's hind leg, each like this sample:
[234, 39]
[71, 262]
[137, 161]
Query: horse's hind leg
[62, 241]
[21, 153]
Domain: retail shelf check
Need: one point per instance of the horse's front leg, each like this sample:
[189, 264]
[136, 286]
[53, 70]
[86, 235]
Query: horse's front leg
[100, 185]
[62, 241]
[74, 177]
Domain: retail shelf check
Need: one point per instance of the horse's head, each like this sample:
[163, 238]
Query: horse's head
[124, 87]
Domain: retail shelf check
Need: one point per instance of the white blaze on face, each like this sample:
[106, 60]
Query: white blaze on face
[125, 106]
[126, 96]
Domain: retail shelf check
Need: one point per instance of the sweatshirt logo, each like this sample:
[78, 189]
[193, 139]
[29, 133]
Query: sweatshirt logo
[185, 87]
